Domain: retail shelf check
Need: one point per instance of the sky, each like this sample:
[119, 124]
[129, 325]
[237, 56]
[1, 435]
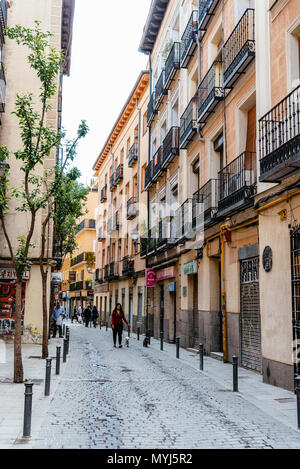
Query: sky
[104, 68]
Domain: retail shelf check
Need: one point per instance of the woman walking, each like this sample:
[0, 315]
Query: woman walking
[117, 319]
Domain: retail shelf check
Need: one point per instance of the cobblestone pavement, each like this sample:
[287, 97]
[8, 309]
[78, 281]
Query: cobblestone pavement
[144, 398]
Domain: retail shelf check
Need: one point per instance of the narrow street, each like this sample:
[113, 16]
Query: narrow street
[144, 398]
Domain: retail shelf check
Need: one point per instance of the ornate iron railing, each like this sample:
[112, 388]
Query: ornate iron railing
[133, 155]
[78, 259]
[157, 163]
[279, 139]
[101, 236]
[172, 64]
[132, 208]
[151, 110]
[210, 91]
[112, 182]
[205, 203]
[160, 91]
[103, 196]
[239, 49]
[119, 174]
[206, 10]
[237, 181]
[148, 175]
[188, 40]
[183, 221]
[152, 240]
[188, 124]
[144, 246]
[170, 146]
[106, 272]
[128, 266]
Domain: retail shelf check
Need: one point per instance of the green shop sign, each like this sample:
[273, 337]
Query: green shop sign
[190, 268]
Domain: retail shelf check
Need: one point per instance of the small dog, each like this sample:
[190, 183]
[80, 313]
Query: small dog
[145, 342]
[127, 342]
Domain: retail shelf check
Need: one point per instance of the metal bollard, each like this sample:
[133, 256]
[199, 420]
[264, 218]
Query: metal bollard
[298, 399]
[177, 346]
[235, 373]
[64, 329]
[65, 350]
[129, 332]
[58, 353]
[27, 409]
[138, 333]
[68, 340]
[48, 376]
[201, 353]
[106, 326]
[161, 340]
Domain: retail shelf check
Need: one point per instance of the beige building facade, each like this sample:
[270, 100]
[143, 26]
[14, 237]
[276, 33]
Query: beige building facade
[122, 211]
[55, 16]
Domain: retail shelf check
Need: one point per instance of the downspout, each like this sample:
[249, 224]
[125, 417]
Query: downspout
[138, 162]
[111, 205]
[201, 139]
[223, 296]
[148, 196]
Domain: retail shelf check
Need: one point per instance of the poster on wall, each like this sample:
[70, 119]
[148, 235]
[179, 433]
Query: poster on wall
[7, 307]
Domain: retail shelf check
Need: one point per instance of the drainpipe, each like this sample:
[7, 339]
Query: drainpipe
[201, 139]
[148, 195]
[111, 208]
[223, 294]
[139, 161]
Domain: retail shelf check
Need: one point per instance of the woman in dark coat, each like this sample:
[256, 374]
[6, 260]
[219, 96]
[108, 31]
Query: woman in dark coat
[118, 317]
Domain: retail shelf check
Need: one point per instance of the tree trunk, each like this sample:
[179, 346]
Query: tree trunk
[18, 365]
[45, 316]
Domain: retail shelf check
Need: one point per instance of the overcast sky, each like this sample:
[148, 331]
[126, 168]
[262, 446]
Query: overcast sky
[105, 66]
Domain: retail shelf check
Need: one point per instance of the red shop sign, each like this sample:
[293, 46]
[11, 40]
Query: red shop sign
[165, 274]
[150, 278]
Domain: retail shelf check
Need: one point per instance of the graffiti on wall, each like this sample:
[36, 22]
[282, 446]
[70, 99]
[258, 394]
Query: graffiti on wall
[7, 307]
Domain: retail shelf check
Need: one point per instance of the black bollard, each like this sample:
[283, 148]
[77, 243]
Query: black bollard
[138, 333]
[129, 331]
[298, 399]
[177, 346]
[106, 326]
[68, 340]
[100, 325]
[27, 409]
[48, 376]
[58, 353]
[64, 330]
[65, 350]
[235, 373]
[201, 353]
[161, 340]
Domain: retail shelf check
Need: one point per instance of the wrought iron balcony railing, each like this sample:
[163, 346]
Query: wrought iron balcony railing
[152, 240]
[113, 270]
[78, 259]
[2, 89]
[188, 40]
[133, 155]
[279, 139]
[106, 272]
[188, 124]
[132, 208]
[86, 225]
[206, 11]
[101, 236]
[237, 183]
[239, 49]
[128, 266]
[77, 286]
[113, 223]
[157, 164]
[99, 275]
[184, 228]
[148, 175]
[103, 196]
[3, 17]
[170, 147]
[160, 90]
[211, 92]
[205, 204]
[151, 110]
[112, 182]
[172, 64]
[144, 246]
[167, 233]
[119, 174]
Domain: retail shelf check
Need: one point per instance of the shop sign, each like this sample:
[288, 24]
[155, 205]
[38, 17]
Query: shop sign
[164, 274]
[172, 287]
[190, 268]
[150, 278]
[11, 274]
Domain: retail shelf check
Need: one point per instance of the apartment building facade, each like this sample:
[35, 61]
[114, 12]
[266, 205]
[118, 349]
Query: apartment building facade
[78, 269]
[122, 211]
[55, 16]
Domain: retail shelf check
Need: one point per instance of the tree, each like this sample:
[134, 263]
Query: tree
[38, 141]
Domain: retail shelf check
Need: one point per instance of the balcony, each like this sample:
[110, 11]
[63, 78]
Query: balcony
[99, 276]
[184, 228]
[239, 49]
[119, 174]
[151, 111]
[76, 286]
[206, 11]
[132, 208]
[157, 164]
[148, 175]
[205, 204]
[133, 155]
[127, 266]
[113, 270]
[101, 236]
[86, 225]
[166, 233]
[152, 240]
[144, 246]
[237, 183]
[78, 259]
[106, 273]
[103, 196]
[172, 64]
[188, 40]
[112, 182]
[279, 139]
[113, 223]
[170, 147]
[3, 17]
[2, 89]
[160, 90]
[210, 92]
[188, 124]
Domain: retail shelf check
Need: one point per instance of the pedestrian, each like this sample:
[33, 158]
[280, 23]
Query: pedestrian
[87, 314]
[79, 314]
[95, 315]
[74, 314]
[117, 319]
[58, 316]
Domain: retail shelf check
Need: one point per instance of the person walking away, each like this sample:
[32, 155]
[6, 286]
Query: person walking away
[87, 314]
[95, 315]
[79, 314]
[74, 314]
[117, 319]
[57, 317]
